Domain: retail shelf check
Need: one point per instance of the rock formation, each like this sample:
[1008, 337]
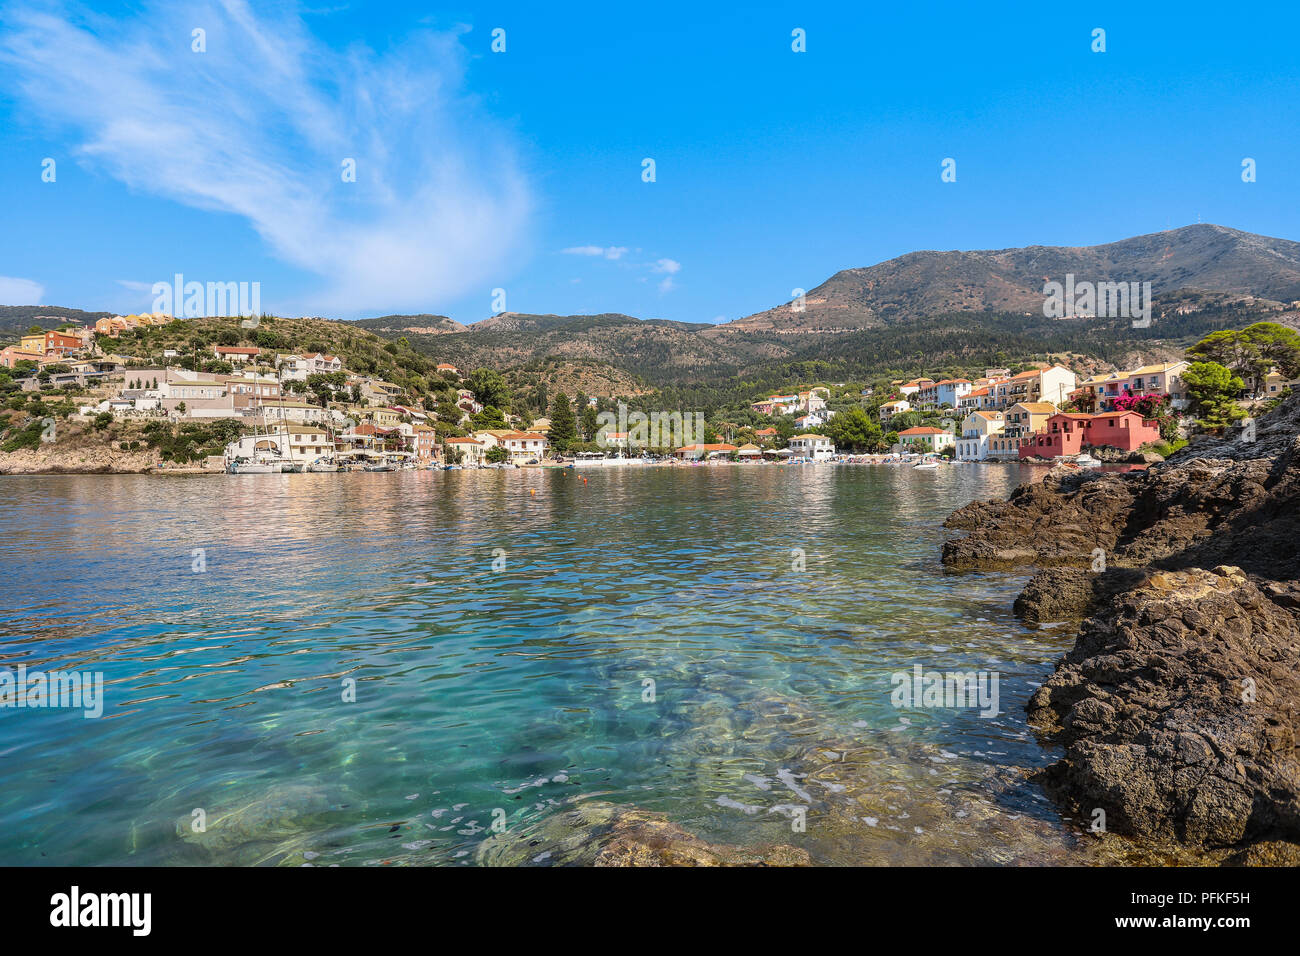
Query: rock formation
[1179, 705]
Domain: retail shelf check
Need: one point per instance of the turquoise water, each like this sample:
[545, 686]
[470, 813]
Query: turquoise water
[508, 692]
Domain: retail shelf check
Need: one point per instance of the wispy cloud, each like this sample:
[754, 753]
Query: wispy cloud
[608, 252]
[20, 291]
[671, 266]
[260, 124]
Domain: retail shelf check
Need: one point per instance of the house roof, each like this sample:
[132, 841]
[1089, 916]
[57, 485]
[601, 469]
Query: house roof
[809, 435]
[1155, 369]
[461, 441]
[236, 349]
[1036, 407]
[519, 436]
[922, 430]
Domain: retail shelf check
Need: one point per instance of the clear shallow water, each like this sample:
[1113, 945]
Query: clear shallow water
[519, 690]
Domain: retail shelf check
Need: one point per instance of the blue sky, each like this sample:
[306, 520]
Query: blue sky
[522, 170]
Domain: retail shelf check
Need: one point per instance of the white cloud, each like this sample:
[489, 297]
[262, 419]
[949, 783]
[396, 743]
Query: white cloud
[671, 266]
[20, 292]
[260, 125]
[667, 285]
[609, 252]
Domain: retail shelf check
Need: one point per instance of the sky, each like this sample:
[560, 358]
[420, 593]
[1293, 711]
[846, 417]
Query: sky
[517, 179]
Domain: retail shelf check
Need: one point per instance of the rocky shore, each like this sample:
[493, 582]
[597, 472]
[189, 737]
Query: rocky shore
[1178, 708]
[84, 459]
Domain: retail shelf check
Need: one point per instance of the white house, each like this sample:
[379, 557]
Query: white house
[300, 413]
[473, 451]
[816, 447]
[814, 419]
[524, 446]
[951, 390]
[976, 431]
[889, 409]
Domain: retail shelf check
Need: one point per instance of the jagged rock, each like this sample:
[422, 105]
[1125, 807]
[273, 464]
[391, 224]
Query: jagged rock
[1149, 704]
[1179, 708]
[1066, 593]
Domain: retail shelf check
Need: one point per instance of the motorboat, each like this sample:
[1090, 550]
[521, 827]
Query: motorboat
[250, 466]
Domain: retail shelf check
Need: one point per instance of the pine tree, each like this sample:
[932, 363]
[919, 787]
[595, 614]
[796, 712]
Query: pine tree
[564, 429]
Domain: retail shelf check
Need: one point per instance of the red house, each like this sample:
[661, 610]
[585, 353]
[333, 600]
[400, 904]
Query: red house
[1068, 433]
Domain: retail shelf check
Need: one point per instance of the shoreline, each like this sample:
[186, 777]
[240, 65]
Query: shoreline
[157, 471]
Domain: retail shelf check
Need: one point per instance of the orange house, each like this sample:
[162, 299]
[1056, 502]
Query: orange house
[1068, 433]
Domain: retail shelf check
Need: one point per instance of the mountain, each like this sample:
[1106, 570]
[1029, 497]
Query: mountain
[423, 324]
[664, 349]
[1204, 258]
[17, 319]
[921, 311]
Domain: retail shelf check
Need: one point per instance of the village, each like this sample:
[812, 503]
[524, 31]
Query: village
[282, 410]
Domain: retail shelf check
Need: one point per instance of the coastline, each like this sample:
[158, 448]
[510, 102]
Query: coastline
[112, 462]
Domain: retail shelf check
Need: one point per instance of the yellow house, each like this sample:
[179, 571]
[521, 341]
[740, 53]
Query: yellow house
[384, 417]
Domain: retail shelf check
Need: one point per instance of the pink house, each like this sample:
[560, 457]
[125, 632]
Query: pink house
[1068, 433]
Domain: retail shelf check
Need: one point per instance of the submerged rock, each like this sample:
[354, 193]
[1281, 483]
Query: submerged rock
[277, 827]
[596, 833]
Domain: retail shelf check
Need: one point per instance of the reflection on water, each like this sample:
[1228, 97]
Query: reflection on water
[648, 642]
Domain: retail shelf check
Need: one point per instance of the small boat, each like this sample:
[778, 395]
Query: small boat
[380, 466]
[1087, 461]
[244, 466]
[322, 465]
[925, 466]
